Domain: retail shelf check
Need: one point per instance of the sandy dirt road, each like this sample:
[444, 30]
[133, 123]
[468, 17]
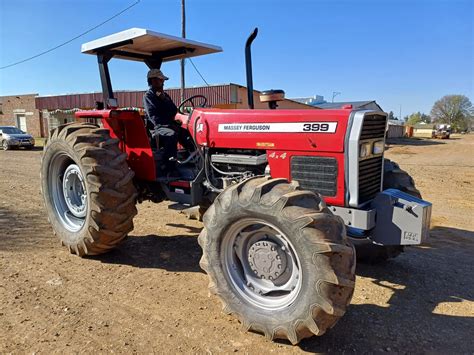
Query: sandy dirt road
[150, 295]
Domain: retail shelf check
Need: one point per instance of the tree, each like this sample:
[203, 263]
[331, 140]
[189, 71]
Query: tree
[455, 110]
[417, 117]
[391, 116]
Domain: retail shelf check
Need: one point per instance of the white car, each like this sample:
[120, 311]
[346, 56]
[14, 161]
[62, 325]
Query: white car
[13, 137]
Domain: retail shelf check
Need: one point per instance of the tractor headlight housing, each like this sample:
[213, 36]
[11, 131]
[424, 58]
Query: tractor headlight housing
[364, 150]
[378, 147]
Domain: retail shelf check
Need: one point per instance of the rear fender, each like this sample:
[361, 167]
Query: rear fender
[129, 128]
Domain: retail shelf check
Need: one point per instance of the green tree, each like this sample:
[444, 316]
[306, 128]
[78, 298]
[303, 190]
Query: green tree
[414, 118]
[425, 118]
[391, 116]
[456, 110]
[417, 117]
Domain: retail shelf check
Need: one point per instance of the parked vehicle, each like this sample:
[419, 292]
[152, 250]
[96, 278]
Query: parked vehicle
[13, 137]
[287, 192]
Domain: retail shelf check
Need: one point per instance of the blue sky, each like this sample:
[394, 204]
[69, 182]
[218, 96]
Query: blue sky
[407, 53]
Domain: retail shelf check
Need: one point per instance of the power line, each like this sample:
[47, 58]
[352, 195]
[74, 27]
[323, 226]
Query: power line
[72, 39]
[209, 86]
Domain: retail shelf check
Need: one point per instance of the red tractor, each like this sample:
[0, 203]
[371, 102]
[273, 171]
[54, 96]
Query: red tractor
[287, 193]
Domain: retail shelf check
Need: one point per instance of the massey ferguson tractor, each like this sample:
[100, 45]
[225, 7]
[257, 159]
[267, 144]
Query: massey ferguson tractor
[287, 194]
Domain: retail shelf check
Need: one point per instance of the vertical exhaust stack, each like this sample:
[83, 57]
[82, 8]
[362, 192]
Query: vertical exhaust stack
[248, 65]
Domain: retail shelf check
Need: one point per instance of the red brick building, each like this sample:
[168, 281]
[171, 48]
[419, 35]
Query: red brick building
[21, 111]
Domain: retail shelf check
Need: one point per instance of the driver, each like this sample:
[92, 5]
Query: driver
[160, 114]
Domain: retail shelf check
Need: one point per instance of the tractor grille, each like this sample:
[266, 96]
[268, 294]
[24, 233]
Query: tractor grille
[316, 174]
[373, 127]
[370, 170]
[370, 175]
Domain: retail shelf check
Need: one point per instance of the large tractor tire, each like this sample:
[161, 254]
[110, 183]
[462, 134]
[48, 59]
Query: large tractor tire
[87, 188]
[393, 178]
[277, 259]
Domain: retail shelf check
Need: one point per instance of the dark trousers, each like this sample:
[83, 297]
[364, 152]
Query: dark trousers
[169, 136]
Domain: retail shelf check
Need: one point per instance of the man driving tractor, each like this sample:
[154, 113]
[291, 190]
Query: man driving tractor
[160, 112]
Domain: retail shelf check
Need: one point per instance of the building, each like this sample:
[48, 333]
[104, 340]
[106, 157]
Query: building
[358, 105]
[21, 111]
[314, 100]
[424, 130]
[319, 102]
[60, 109]
[395, 129]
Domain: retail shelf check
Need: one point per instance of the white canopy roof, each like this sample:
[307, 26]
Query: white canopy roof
[138, 43]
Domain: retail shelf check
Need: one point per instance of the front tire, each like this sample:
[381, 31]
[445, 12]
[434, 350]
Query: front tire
[278, 259]
[87, 188]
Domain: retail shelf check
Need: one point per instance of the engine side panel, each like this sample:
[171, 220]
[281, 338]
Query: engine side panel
[285, 135]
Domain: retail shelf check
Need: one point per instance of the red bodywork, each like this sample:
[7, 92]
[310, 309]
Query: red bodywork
[280, 146]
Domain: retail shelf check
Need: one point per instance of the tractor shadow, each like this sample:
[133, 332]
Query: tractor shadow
[421, 314]
[171, 253]
[412, 142]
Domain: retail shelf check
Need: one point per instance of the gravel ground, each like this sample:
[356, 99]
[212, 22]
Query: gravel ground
[149, 295]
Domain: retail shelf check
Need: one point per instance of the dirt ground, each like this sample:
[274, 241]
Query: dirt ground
[150, 295]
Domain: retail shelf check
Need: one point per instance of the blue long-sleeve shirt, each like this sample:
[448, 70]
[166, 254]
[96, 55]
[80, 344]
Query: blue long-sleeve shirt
[159, 110]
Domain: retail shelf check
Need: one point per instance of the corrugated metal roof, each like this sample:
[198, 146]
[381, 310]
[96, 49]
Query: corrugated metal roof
[217, 94]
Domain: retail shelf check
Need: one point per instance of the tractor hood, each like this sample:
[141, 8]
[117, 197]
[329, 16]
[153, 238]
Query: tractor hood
[297, 130]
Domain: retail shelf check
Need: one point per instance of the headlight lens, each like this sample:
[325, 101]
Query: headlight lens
[364, 150]
[378, 148]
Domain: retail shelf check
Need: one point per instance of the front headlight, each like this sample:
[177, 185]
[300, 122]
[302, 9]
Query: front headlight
[364, 150]
[32, 140]
[379, 147]
[13, 141]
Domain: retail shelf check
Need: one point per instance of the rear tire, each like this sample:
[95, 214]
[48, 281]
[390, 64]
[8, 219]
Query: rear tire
[394, 178]
[87, 188]
[277, 259]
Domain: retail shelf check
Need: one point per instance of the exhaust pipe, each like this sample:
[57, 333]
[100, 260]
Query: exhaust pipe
[248, 65]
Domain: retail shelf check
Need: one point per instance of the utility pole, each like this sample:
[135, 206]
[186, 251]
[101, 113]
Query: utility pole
[334, 94]
[401, 113]
[183, 34]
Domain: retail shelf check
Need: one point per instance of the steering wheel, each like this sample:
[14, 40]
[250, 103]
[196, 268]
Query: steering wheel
[202, 103]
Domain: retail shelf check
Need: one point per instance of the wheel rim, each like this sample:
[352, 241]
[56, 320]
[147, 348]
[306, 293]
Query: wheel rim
[68, 192]
[5, 145]
[261, 264]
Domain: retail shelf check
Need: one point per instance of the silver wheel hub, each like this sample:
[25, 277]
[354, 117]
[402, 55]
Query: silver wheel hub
[261, 264]
[74, 191]
[267, 260]
[68, 193]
